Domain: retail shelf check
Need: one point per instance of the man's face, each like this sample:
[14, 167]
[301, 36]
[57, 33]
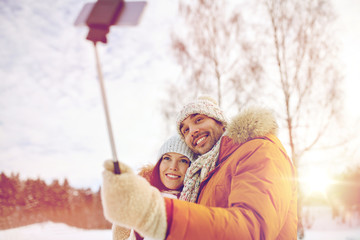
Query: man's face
[201, 132]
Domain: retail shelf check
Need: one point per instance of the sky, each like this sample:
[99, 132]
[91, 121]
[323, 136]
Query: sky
[52, 122]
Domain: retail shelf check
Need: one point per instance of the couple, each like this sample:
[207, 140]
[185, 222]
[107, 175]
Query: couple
[241, 185]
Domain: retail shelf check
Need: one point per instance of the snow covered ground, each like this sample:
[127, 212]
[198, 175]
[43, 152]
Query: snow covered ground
[323, 228]
[53, 231]
[348, 234]
[59, 231]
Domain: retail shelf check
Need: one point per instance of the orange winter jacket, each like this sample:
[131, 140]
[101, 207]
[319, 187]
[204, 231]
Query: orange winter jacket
[251, 194]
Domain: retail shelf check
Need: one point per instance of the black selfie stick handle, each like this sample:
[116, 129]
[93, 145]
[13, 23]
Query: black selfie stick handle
[116, 167]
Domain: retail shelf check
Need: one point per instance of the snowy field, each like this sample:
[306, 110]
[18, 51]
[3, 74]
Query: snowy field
[59, 231]
[53, 231]
[323, 228]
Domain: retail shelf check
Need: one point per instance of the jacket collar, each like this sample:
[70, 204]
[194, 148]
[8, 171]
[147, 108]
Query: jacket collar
[251, 123]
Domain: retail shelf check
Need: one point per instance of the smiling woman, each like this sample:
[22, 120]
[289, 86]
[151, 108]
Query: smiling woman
[167, 176]
[169, 171]
[172, 170]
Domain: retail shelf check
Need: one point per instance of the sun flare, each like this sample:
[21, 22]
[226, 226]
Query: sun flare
[315, 181]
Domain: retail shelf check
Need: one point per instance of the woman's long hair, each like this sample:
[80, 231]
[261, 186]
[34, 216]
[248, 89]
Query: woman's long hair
[155, 177]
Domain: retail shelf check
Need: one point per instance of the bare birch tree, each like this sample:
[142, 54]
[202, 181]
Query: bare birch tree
[292, 50]
[305, 71]
[217, 56]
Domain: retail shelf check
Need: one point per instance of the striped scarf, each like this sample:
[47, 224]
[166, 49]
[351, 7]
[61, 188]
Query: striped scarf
[197, 172]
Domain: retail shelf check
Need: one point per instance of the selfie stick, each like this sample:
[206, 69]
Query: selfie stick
[108, 122]
[99, 17]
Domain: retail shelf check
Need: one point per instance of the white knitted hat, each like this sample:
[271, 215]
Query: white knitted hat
[202, 105]
[177, 145]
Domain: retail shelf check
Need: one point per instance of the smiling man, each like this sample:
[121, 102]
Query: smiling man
[242, 177]
[242, 184]
[207, 132]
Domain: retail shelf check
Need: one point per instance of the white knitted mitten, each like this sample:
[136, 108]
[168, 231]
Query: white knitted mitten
[130, 201]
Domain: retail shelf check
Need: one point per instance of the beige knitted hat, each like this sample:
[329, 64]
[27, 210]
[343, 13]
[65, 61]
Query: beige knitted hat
[177, 145]
[202, 105]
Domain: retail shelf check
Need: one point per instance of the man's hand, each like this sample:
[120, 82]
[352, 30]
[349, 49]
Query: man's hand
[130, 201]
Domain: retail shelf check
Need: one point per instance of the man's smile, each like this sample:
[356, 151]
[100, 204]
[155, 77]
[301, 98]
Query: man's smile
[199, 139]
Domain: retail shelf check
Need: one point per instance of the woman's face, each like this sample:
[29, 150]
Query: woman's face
[172, 170]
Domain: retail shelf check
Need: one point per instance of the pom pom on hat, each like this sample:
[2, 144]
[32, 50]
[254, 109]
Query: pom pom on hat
[177, 145]
[202, 105]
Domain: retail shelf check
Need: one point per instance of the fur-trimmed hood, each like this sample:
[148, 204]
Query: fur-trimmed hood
[251, 123]
[146, 171]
